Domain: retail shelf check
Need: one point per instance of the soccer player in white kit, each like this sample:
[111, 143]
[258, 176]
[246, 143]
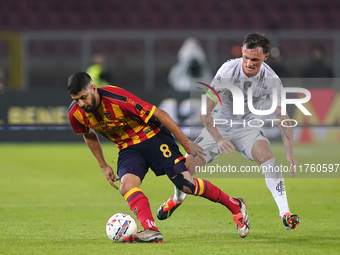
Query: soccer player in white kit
[248, 72]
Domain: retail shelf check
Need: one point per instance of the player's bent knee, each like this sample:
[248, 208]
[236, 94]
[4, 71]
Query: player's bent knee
[124, 189]
[266, 155]
[187, 190]
[128, 182]
[261, 151]
[183, 184]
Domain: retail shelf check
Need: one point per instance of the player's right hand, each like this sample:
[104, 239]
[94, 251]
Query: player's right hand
[110, 176]
[196, 150]
[225, 145]
[292, 161]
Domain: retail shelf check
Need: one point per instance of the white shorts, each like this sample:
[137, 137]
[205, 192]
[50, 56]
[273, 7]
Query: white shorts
[242, 138]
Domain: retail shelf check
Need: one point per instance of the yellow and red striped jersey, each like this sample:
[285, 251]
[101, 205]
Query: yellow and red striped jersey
[121, 117]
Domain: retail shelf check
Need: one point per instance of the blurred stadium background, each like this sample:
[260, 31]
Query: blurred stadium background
[53, 198]
[43, 42]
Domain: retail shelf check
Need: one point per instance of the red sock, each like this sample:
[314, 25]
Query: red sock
[206, 189]
[139, 205]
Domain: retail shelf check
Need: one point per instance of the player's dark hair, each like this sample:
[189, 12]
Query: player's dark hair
[77, 82]
[253, 40]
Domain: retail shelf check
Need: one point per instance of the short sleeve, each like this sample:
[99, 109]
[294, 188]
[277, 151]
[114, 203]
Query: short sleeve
[76, 121]
[137, 106]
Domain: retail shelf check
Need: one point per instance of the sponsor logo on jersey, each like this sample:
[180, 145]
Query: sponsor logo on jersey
[108, 115]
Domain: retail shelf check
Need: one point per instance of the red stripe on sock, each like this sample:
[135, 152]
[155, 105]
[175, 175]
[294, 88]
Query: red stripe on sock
[140, 206]
[215, 194]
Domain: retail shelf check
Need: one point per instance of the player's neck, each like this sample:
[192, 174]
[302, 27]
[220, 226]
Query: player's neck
[98, 98]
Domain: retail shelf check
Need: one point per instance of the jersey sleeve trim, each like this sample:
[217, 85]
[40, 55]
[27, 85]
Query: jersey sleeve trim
[71, 106]
[149, 114]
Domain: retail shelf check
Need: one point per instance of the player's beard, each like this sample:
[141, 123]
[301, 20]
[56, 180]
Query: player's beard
[92, 107]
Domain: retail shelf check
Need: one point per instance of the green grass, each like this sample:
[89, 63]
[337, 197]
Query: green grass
[54, 199]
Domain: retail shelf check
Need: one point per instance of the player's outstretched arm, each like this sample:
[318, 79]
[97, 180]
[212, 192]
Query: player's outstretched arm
[207, 120]
[92, 141]
[189, 146]
[287, 138]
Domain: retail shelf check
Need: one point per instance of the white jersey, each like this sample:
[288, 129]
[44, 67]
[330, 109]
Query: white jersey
[262, 84]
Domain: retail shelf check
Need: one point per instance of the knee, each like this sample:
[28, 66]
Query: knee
[128, 182]
[261, 151]
[183, 184]
[263, 156]
[187, 190]
[266, 154]
[124, 188]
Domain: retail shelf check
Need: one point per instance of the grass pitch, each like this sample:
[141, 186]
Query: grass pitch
[54, 199]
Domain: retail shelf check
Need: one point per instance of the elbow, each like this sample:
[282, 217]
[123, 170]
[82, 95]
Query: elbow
[159, 114]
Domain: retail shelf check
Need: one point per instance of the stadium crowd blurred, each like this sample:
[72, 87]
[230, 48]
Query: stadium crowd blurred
[50, 61]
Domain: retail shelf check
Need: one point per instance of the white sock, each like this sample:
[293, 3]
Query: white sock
[179, 196]
[275, 183]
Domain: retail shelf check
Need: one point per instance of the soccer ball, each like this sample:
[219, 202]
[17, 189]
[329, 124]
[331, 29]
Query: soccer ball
[121, 225]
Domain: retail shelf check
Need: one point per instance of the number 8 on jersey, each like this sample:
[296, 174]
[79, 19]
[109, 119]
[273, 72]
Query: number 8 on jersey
[165, 149]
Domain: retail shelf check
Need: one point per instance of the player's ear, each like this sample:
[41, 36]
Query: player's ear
[93, 88]
[266, 56]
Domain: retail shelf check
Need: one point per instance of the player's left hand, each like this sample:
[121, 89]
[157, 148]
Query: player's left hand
[196, 150]
[292, 161]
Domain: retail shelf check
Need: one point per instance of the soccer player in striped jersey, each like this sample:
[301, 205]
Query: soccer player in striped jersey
[248, 72]
[142, 133]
